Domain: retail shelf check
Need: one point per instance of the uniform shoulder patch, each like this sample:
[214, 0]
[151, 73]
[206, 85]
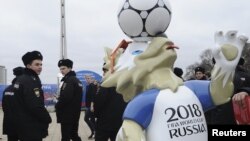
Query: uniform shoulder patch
[9, 93]
[37, 92]
[16, 85]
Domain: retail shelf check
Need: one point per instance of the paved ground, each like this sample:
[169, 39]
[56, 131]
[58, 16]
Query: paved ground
[54, 129]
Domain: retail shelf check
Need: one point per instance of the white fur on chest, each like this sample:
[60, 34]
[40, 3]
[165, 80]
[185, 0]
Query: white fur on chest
[177, 117]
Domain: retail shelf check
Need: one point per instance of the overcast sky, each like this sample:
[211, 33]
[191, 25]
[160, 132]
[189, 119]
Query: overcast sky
[27, 25]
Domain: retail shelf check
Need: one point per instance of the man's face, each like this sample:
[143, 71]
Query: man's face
[64, 70]
[36, 66]
[88, 79]
[199, 75]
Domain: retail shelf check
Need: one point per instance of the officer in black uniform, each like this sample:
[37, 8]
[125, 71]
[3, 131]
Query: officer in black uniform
[33, 118]
[68, 107]
[9, 107]
[200, 73]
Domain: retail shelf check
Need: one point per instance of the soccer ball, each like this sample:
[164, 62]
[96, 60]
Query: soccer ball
[143, 19]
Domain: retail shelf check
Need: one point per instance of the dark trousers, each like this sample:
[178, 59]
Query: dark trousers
[102, 135]
[208, 116]
[33, 140]
[70, 131]
[89, 118]
[12, 138]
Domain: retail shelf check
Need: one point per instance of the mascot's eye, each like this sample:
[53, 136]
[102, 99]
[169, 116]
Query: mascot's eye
[137, 52]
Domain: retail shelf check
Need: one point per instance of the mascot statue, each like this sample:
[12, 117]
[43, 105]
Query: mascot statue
[161, 106]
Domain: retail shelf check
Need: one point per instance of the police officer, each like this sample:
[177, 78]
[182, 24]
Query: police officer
[33, 118]
[200, 73]
[9, 108]
[68, 107]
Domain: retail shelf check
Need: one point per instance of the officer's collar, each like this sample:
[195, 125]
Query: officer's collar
[30, 72]
[71, 73]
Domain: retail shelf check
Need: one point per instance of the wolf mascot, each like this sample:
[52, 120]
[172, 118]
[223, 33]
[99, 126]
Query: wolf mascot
[161, 106]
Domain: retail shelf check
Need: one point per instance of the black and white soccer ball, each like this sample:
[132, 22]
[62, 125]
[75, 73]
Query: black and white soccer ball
[143, 19]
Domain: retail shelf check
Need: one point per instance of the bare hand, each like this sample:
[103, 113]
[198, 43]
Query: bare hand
[239, 99]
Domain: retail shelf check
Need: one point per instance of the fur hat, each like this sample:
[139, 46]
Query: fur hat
[178, 71]
[18, 71]
[65, 62]
[201, 69]
[30, 56]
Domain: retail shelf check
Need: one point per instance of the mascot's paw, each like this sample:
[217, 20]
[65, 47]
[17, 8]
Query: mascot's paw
[130, 131]
[227, 53]
[120, 135]
[228, 49]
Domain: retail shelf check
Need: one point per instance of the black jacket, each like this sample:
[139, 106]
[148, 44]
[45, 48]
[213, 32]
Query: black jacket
[223, 114]
[108, 108]
[90, 94]
[68, 107]
[9, 109]
[33, 118]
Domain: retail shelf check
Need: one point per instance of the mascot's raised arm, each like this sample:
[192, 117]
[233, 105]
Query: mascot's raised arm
[161, 106]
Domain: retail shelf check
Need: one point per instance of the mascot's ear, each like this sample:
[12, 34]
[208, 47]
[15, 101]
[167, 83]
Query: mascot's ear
[108, 51]
[107, 56]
